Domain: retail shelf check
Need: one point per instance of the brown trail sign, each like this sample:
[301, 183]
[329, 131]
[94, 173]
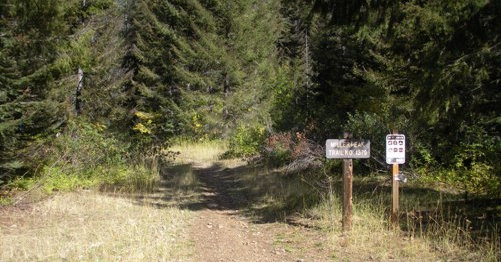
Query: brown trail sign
[347, 149]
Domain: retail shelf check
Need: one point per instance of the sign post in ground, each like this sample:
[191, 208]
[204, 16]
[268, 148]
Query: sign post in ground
[347, 149]
[347, 194]
[395, 155]
[395, 196]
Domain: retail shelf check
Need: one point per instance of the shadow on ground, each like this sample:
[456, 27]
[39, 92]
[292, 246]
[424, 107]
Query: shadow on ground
[252, 190]
[266, 195]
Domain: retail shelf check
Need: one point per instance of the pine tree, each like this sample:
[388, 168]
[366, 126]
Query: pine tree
[194, 59]
[34, 66]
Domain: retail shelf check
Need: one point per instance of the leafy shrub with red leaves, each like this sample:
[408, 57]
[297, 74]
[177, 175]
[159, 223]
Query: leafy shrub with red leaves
[293, 150]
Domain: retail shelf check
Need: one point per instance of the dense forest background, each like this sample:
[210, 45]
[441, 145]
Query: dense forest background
[86, 83]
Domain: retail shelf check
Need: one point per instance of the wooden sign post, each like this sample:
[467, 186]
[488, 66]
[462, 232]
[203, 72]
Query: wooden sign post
[395, 155]
[347, 194]
[347, 190]
[347, 149]
[395, 190]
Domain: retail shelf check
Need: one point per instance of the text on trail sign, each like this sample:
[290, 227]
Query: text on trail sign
[395, 149]
[347, 148]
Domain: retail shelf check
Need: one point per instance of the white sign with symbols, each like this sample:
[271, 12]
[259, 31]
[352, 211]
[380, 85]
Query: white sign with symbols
[395, 149]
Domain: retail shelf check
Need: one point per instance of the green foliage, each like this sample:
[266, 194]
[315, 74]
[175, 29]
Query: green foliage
[86, 146]
[56, 179]
[372, 127]
[86, 157]
[224, 68]
[246, 141]
[5, 201]
[422, 157]
[286, 107]
[447, 52]
[38, 60]
[471, 165]
[22, 183]
[216, 69]
[192, 65]
[63, 178]
[96, 6]
[425, 68]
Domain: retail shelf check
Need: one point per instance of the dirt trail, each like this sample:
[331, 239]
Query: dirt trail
[222, 236]
[220, 231]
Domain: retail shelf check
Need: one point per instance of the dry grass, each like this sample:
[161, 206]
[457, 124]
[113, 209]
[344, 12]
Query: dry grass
[92, 227]
[371, 239]
[204, 154]
[89, 226]
[208, 151]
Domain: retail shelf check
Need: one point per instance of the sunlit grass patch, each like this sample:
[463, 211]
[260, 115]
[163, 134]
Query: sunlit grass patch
[62, 178]
[371, 237]
[93, 227]
[206, 151]
[275, 196]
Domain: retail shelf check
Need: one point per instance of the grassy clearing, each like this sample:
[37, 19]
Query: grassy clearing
[92, 227]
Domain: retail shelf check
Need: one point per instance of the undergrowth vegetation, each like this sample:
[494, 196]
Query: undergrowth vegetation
[246, 141]
[86, 157]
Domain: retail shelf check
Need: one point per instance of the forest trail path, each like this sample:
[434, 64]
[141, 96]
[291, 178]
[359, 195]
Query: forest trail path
[221, 233]
[223, 229]
[200, 211]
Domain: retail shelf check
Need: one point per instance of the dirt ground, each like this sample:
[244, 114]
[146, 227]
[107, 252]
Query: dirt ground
[220, 230]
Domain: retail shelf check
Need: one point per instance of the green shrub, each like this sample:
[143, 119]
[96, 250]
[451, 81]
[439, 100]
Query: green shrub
[22, 183]
[56, 179]
[472, 165]
[246, 140]
[86, 146]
